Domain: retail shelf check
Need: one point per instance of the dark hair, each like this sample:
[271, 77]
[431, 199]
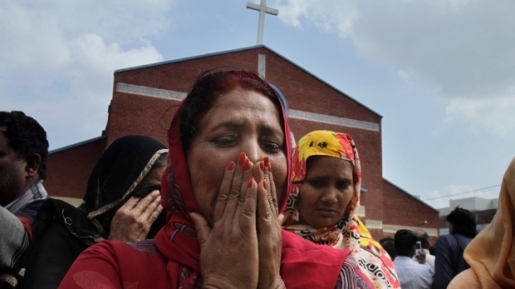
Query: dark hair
[206, 91]
[26, 136]
[423, 237]
[160, 162]
[388, 244]
[463, 222]
[432, 250]
[405, 241]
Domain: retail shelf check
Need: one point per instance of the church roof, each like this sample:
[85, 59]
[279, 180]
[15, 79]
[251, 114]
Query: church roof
[240, 50]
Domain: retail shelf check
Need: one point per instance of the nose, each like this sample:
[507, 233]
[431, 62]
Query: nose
[329, 195]
[253, 151]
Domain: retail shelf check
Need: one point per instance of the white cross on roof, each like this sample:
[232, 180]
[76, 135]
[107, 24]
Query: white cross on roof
[262, 10]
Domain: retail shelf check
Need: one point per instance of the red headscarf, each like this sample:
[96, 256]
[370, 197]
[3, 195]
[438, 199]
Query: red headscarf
[171, 259]
[301, 260]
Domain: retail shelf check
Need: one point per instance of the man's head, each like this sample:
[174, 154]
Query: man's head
[388, 244]
[463, 222]
[23, 154]
[423, 237]
[405, 241]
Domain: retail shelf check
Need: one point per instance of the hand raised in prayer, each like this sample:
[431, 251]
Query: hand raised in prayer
[133, 220]
[229, 250]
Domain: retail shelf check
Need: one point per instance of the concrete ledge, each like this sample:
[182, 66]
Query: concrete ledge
[389, 228]
[295, 114]
[374, 224]
[73, 201]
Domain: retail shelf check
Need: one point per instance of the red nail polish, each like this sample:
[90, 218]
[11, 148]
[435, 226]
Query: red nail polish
[265, 186]
[262, 166]
[241, 159]
[230, 166]
[246, 166]
[269, 167]
[251, 181]
[267, 162]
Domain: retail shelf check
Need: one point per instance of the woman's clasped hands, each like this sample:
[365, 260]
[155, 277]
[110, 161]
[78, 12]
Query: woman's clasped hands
[242, 246]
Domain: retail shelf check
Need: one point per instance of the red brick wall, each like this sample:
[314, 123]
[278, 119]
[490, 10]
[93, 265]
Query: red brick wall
[402, 208]
[134, 114]
[145, 115]
[69, 169]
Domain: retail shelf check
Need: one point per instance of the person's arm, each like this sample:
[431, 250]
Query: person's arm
[14, 239]
[426, 276]
[443, 263]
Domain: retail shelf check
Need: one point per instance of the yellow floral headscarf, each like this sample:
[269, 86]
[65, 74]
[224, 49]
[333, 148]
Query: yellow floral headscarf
[331, 144]
[349, 233]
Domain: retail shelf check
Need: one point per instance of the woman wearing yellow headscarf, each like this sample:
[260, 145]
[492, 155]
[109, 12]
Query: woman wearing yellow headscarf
[491, 254]
[326, 177]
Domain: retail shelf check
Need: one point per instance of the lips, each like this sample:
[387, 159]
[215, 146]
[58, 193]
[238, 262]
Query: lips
[327, 212]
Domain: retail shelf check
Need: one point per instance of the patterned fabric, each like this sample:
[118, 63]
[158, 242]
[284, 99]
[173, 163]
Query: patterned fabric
[322, 143]
[34, 193]
[353, 276]
[349, 233]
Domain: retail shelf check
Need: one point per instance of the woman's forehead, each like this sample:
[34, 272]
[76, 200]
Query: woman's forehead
[239, 105]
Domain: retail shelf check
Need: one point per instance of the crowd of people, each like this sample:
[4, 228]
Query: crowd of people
[230, 202]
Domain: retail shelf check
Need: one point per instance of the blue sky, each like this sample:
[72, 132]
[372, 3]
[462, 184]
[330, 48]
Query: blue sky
[441, 73]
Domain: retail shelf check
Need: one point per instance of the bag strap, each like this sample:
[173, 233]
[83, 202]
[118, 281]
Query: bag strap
[12, 277]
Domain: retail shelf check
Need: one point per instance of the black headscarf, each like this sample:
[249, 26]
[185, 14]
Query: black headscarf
[119, 170]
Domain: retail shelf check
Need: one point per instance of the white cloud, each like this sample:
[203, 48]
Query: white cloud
[59, 64]
[479, 115]
[441, 199]
[462, 48]
[323, 14]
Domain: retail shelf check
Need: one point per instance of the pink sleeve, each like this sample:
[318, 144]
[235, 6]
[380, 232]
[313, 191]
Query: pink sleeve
[96, 267]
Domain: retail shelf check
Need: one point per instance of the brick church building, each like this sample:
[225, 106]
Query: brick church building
[143, 102]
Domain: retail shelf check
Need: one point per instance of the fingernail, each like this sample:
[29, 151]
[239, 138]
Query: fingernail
[230, 166]
[251, 181]
[265, 186]
[241, 159]
[262, 166]
[269, 167]
[246, 166]
[267, 161]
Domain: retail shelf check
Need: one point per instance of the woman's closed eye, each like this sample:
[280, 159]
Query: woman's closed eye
[226, 141]
[343, 185]
[270, 146]
[317, 183]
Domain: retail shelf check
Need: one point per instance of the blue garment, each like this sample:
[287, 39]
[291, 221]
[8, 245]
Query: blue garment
[412, 274]
[449, 260]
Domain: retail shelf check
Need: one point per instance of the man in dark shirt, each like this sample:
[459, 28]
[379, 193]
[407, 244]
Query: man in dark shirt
[449, 248]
